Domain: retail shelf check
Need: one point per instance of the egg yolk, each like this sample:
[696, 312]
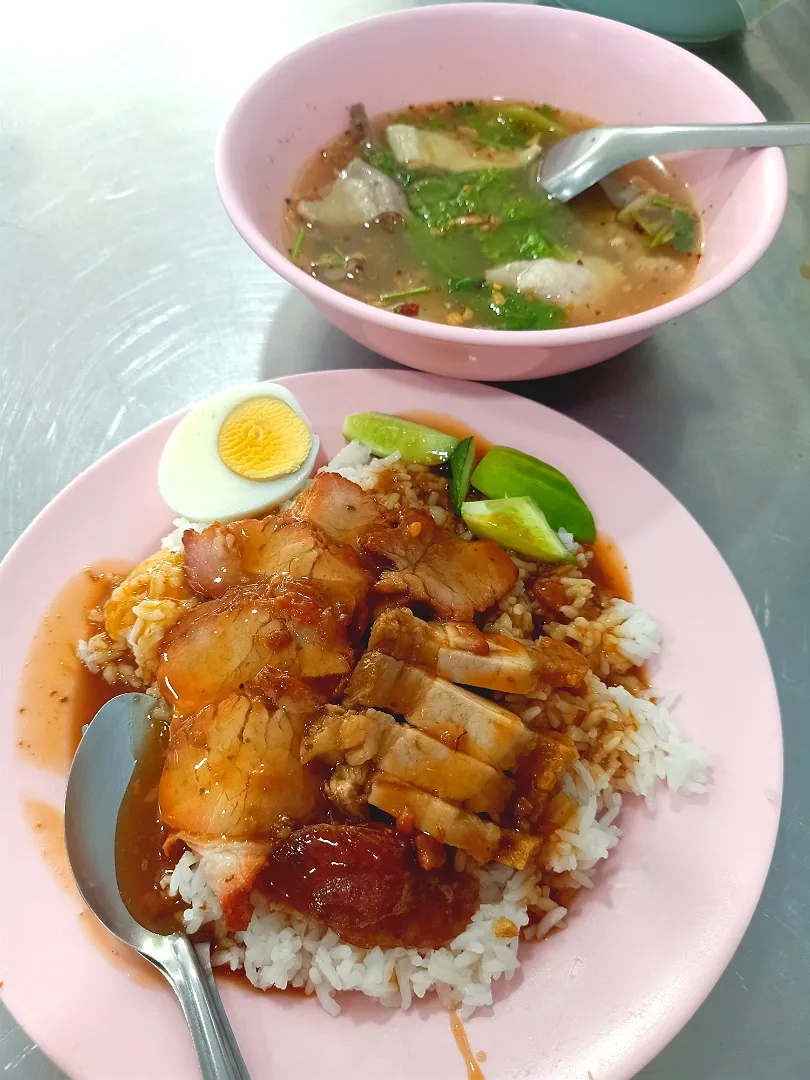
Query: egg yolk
[262, 439]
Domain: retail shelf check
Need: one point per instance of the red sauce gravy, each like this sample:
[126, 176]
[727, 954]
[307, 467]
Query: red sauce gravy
[463, 1043]
[47, 823]
[140, 861]
[58, 695]
[608, 569]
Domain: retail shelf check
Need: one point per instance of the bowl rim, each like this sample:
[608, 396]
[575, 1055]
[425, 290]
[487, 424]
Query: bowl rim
[775, 184]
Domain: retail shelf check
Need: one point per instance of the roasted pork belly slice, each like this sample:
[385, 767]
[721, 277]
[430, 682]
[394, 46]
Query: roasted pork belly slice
[516, 667]
[463, 654]
[257, 550]
[233, 770]
[406, 754]
[446, 823]
[340, 508]
[433, 566]
[221, 645]
[456, 717]
[399, 633]
[230, 868]
[213, 561]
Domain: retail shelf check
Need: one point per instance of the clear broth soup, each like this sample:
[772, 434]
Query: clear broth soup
[427, 212]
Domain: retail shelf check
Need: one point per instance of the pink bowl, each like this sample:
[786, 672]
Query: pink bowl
[591, 65]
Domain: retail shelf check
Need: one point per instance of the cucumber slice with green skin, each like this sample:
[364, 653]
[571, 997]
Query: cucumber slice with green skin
[384, 435]
[504, 473]
[462, 461]
[518, 524]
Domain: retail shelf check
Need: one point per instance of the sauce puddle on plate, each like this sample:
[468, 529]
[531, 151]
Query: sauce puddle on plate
[48, 824]
[608, 569]
[58, 695]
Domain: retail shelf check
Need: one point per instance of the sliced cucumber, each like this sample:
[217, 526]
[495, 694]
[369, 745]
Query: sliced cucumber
[504, 473]
[462, 461]
[518, 524]
[385, 435]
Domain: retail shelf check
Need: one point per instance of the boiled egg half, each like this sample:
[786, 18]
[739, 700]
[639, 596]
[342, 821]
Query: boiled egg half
[238, 454]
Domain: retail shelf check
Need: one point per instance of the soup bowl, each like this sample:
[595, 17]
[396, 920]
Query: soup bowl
[590, 65]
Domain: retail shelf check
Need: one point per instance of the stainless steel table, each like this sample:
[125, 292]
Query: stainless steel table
[124, 292]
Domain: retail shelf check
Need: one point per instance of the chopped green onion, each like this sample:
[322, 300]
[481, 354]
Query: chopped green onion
[391, 297]
[299, 243]
[663, 236]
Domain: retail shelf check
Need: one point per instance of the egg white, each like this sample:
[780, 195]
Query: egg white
[194, 481]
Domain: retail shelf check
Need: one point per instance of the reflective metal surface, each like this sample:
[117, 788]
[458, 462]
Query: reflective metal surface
[124, 292]
[100, 775]
[579, 161]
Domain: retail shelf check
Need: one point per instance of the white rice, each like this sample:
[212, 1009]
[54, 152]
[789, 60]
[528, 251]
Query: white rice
[282, 950]
[174, 540]
[637, 634]
[355, 462]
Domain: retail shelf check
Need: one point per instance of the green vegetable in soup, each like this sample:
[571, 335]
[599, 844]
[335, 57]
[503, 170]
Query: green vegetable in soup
[462, 284]
[500, 126]
[444, 199]
[684, 227]
[504, 473]
[517, 240]
[385, 435]
[515, 312]
[455, 257]
[461, 463]
[298, 243]
[403, 294]
[461, 224]
[452, 256]
[663, 220]
[517, 524]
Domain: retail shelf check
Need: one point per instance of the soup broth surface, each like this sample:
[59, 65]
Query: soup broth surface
[463, 244]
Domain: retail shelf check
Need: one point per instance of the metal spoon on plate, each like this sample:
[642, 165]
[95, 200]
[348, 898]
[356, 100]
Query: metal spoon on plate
[579, 161]
[98, 780]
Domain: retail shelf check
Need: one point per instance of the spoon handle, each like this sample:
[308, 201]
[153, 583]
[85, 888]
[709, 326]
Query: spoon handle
[193, 982]
[635, 142]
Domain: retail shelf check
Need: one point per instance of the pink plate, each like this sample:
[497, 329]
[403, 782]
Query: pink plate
[641, 952]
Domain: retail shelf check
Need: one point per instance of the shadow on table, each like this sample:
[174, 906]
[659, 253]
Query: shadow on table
[300, 339]
[638, 400]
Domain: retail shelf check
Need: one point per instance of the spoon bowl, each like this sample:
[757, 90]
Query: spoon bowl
[98, 780]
